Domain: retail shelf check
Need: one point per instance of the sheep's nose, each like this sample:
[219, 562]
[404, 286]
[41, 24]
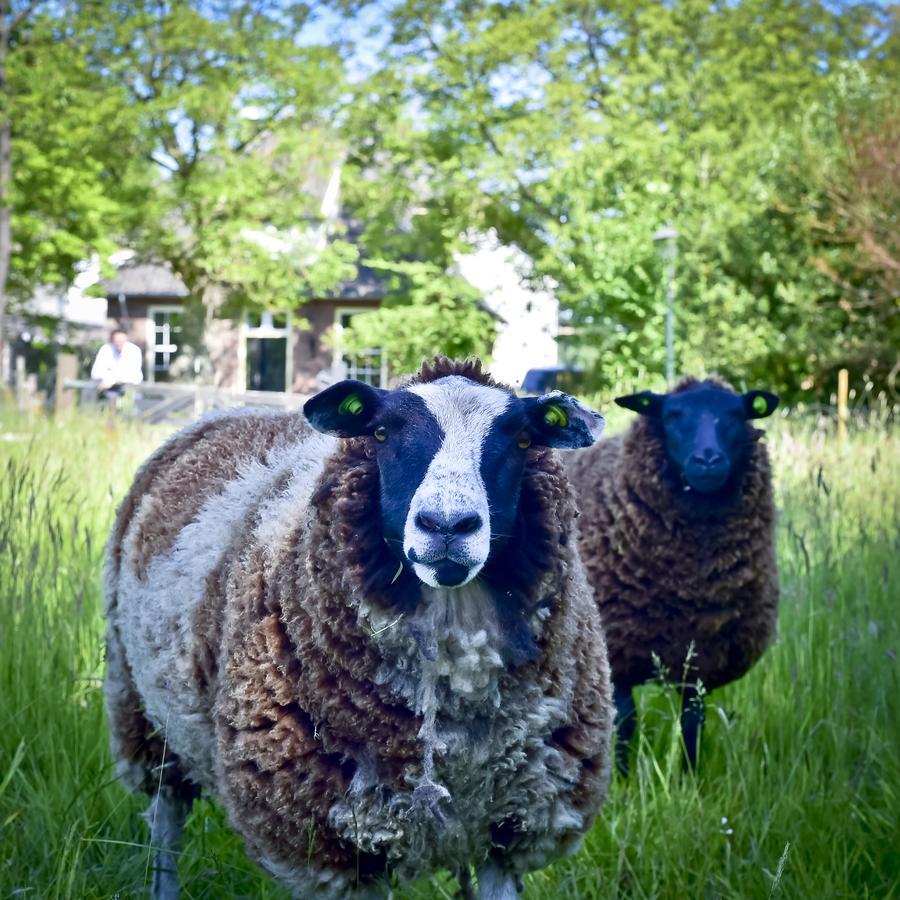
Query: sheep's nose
[449, 525]
[709, 458]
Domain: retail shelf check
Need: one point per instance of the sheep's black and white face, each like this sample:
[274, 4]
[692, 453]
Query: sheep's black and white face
[450, 455]
[705, 429]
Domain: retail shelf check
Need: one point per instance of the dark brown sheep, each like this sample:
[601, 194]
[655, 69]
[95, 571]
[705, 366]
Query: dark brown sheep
[365, 702]
[677, 537]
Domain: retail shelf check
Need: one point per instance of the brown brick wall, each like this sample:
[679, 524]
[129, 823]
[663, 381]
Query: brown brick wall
[311, 351]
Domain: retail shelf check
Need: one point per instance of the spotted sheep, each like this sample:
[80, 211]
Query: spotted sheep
[677, 534]
[366, 631]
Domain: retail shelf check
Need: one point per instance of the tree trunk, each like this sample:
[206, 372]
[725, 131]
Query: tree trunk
[5, 182]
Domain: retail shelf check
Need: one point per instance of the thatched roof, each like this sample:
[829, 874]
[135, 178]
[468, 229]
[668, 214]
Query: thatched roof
[145, 280]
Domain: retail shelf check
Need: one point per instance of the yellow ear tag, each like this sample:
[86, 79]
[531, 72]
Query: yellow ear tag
[351, 405]
[760, 405]
[556, 415]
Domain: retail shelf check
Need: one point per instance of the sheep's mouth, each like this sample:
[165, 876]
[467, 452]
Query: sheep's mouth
[448, 564]
[448, 573]
[706, 481]
[443, 572]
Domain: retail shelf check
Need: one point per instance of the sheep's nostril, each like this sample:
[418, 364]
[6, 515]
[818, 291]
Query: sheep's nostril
[466, 525]
[709, 459]
[427, 522]
[451, 525]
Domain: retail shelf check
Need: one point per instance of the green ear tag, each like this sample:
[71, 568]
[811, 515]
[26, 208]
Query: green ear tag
[351, 404]
[645, 401]
[556, 415]
[760, 405]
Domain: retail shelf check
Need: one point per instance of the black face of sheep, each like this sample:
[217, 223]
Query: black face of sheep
[450, 455]
[705, 429]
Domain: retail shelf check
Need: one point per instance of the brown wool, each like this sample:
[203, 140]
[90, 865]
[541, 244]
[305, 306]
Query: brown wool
[287, 674]
[670, 571]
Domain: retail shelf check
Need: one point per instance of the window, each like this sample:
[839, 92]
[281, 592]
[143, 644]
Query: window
[164, 343]
[366, 366]
[267, 324]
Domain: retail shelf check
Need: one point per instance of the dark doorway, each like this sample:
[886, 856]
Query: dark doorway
[266, 363]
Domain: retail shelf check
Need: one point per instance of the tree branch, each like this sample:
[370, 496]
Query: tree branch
[23, 14]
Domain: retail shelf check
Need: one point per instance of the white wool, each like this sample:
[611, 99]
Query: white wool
[155, 614]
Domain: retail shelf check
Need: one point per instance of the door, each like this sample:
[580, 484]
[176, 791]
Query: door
[266, 363]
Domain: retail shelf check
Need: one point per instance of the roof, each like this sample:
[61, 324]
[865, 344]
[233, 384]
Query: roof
[145, 280]
[368, 285]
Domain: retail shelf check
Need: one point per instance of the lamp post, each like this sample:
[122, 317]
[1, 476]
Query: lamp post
[667, 239]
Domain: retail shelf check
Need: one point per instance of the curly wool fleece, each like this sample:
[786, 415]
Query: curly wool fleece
[354, 725]
[672, 569]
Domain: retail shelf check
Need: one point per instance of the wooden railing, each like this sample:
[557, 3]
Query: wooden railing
[181, 403]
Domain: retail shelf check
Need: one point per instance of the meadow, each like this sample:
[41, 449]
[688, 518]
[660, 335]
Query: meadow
[798, 789]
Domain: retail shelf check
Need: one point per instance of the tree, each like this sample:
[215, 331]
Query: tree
[851, 206]
[411, 234]
[576, 130]
[429, 312]
[68, 169]
[10, 21]
[234, 114]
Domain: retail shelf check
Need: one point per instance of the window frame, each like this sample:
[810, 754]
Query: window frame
[353, 371]
[268, 329]
[151, 351]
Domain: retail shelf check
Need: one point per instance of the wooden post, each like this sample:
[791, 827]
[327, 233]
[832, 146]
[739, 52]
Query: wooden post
[842, 392]
[66, 368]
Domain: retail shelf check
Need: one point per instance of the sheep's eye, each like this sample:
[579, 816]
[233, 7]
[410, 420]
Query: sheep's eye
[523, 441]
[380, 433]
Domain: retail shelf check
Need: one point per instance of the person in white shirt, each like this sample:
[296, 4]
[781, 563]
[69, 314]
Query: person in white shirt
[117, 363]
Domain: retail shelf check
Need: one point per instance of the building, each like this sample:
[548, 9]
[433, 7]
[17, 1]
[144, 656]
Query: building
[266, 351]
[527, 317]
[300, 352]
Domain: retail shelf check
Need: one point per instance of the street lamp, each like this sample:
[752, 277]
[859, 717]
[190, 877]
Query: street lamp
[667, 239]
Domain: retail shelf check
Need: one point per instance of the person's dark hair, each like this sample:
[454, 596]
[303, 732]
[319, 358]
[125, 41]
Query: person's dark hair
[118, 330]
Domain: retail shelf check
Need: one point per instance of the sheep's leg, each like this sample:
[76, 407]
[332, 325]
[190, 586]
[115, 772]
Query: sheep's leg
[166, 816]
[466, 888]
[495, 884]
[693, 715]
[626, 719]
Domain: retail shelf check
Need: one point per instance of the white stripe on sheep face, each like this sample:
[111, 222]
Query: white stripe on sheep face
[450, 456]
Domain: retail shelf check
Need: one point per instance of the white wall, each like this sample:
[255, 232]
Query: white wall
[72, 305]
[527, 335]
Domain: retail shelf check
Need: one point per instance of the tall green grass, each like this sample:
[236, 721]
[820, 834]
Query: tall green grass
[798, 791]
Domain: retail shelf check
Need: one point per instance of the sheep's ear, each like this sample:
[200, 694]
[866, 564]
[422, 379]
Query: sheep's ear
[558, 420]
[759, 404]
[345, 409]
[646, 403]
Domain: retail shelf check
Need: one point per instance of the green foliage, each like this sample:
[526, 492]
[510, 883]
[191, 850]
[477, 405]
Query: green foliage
[577, 130]
[72, 173]
[849, 202]
[800, 752]
[411, 234]
[430, 313]
[233, 114]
